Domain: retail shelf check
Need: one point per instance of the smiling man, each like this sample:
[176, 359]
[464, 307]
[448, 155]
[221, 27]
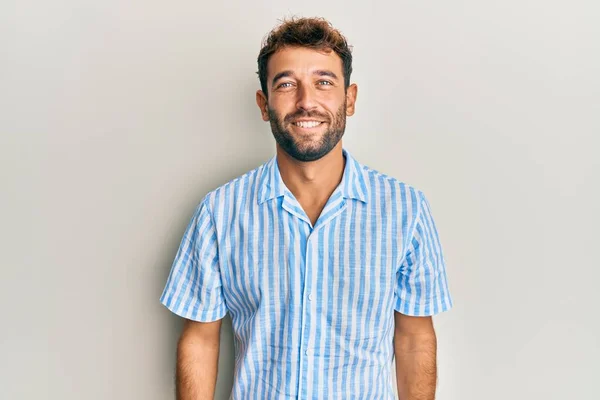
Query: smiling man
[307, 106]
[327, 267]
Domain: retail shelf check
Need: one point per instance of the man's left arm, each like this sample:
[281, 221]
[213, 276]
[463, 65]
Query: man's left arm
[415, 349]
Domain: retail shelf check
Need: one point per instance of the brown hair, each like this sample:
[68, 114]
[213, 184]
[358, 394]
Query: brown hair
[314, 33]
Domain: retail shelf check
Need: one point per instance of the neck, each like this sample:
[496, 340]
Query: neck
[312, 181]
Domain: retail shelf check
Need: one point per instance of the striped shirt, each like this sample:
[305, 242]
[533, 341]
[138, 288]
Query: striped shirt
[312, 307]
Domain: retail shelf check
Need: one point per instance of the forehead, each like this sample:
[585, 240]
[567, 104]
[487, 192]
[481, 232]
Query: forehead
[302, 60]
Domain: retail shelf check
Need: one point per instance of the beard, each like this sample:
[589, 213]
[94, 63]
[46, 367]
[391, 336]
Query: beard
[307, 148]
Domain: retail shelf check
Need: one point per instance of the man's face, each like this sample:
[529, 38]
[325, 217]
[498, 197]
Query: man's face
[307, 103]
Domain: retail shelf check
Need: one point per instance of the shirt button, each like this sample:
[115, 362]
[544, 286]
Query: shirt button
[310, 297]
[307, 352]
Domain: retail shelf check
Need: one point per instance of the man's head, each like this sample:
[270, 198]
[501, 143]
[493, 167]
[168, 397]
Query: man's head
[304, 69]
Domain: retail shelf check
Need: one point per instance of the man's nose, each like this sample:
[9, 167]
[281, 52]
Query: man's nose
[306, 98]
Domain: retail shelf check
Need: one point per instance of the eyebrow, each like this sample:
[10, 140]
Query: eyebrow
[280, 75]
[325, 72]
[320, 72]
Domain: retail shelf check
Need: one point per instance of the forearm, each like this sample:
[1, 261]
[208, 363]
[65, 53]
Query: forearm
[197, 365]
[416, 366]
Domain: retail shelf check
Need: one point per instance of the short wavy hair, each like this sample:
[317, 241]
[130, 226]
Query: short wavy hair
[314, 33]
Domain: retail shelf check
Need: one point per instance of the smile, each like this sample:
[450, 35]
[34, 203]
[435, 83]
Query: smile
[307, 124]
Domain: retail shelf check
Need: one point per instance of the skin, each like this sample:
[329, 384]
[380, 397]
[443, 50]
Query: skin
[415, 350]
[197, 360]
[309, 85]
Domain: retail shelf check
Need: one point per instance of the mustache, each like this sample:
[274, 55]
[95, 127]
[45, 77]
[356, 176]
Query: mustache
[305, 114]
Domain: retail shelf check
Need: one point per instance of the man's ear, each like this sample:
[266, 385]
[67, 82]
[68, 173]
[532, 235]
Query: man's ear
[263, 105]
[351, 93]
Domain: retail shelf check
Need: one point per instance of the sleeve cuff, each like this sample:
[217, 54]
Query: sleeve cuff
[198, 315]
[426, 309]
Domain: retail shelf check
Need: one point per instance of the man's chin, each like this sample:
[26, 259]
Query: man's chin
[307, 155]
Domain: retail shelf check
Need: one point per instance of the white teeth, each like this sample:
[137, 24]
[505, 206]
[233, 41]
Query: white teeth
[307, 124]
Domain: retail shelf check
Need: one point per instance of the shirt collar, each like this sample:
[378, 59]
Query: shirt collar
[352, 186]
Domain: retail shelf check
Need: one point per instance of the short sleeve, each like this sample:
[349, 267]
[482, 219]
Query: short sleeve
[421, 287]
[194, 289]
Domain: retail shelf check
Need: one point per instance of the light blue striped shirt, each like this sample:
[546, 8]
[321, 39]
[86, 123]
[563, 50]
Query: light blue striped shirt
[312, 307]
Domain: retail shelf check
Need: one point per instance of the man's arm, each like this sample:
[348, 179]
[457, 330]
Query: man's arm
[415, 348]
[197, 360]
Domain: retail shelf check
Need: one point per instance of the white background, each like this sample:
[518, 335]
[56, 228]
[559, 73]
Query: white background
[116, 118]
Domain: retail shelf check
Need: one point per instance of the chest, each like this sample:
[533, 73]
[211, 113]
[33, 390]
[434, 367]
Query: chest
[274, 266]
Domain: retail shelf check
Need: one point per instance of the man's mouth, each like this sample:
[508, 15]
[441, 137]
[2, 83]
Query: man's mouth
[307, 124]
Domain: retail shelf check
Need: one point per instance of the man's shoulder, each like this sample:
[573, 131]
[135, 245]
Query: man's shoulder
[238, 189]
[381, 183]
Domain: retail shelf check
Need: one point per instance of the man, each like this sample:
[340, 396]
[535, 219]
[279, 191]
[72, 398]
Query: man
[327, 267]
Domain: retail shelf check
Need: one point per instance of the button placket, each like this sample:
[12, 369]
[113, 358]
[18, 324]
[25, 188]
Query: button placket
[306, 312]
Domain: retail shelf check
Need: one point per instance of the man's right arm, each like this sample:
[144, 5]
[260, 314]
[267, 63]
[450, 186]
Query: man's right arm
[197, 360]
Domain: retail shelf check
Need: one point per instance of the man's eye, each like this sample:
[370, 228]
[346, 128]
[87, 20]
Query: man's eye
[284, 84]
[325, 83]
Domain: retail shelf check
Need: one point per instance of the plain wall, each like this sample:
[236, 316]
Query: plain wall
[116, 118]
